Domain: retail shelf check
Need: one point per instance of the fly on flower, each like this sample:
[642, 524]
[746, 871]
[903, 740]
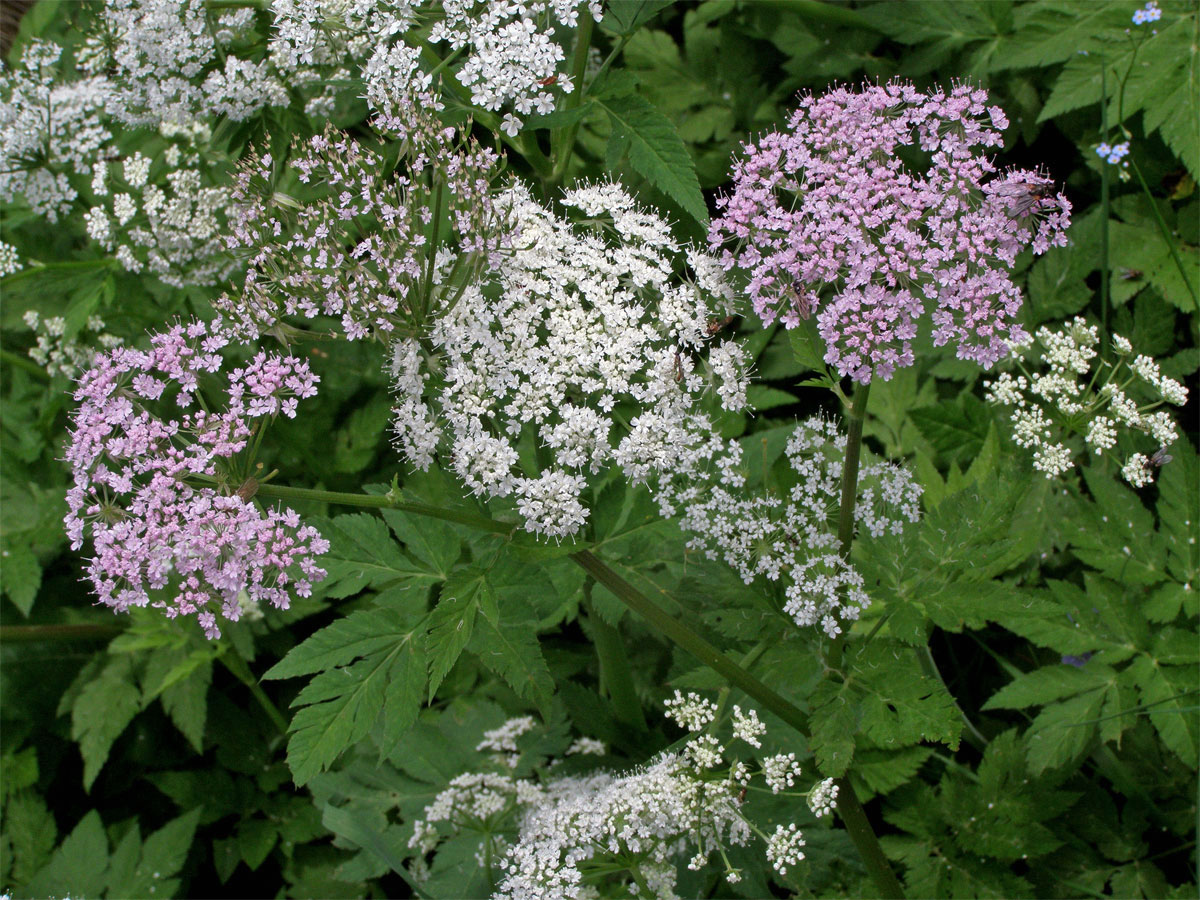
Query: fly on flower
[1024, 198]
[1159, 458]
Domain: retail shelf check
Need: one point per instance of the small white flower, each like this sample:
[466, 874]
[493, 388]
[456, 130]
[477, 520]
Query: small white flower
[822, 799]
[783, 848]
[747, 727]
[1137, 470]
[780, 771]
[511, 125]
[692, 712]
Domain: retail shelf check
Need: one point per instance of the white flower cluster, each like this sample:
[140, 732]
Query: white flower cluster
[63, 354]
[10, 260]
[511, 56]
[502, 741]
[790, 533]
[580, 331]
[1064, 388]
[47, 130]
[822, 799]
[692, 712]
[600, 833]
[159, 217]
[174, 61]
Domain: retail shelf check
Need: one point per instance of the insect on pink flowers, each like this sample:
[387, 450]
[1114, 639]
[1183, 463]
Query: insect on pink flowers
[829, 217]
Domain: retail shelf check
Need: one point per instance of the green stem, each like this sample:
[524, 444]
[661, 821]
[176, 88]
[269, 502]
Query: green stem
[1162, 227]
[1105, 207]
[28, 634]
[854, 817]
[232, 660]
[387, 501]
[25, 364]
[858, 826]
[563, 144]
[32, 271]
[676, 631]
[855, 417]
[615, 675]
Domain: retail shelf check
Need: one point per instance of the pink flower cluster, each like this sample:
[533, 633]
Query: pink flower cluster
[168, 510]
[878, 203]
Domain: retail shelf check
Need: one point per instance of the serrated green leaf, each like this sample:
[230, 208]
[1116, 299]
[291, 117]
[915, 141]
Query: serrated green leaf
[79, 866]
[346, 698]
[22, 575]
[30, 827]
[433, 542]
[1049, 683]
[256, 838]
[956, 431]
[101, 712]
[1170, 695]
[1053, 32]
[451, 624]
[404, 694]
[832, 719]
[1063, 731]
[902, 705]
[185, 702]
[511, 650]
[363, 554]
[163, 856]
[807, 347]
[657, 152]
[358, 634]
[626, 16]
[882, 771]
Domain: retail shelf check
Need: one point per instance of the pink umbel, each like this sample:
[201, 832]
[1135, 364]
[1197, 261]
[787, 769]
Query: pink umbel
[877, 205]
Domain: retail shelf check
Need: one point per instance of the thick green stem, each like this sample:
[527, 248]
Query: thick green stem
[233, 661]
[689, 640]
[564, 143]
[615, 675]
[858, 826]
[1105, 207]
[855, 417]
[854, 817]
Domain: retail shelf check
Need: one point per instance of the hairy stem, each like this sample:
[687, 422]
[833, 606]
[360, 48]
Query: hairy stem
[849, 808]
[387, 501]
[682, 635]
[615, 675]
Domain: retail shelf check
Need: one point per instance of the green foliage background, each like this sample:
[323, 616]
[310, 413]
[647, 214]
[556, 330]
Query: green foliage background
[138, 759]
